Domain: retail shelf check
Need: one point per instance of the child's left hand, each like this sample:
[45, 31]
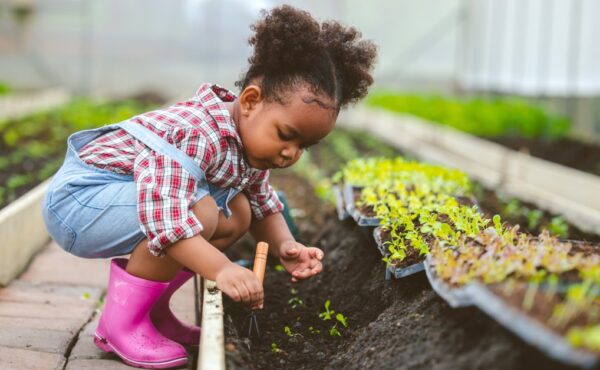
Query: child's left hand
[300, 261]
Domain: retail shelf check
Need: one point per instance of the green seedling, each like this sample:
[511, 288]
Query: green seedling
[533, 218]
[559, 227]
[288, 331]
[327, 314]
[342, 319]
[313, 330]
[279, 268]
[295, 302]
[334, 332]
[274, 348]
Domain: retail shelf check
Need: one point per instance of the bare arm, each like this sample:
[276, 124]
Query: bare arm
[197, 254]
[273, 230]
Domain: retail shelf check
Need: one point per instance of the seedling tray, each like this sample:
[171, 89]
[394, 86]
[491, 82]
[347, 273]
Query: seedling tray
[455, 297]
[528, 329]
[393, 271]
[340, 206]
[360, 218]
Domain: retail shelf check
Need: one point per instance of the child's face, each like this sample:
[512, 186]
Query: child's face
[274, 134]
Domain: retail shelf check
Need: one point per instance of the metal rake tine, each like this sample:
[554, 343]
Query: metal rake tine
[253, 322]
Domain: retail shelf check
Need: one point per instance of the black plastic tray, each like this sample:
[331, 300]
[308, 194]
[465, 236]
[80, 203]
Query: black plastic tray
[339, 203]
[393, 271]
[455, 297]
[528, 329]
[360, 219]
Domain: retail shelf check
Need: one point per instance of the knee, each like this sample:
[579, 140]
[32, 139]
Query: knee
[242, 215]
[207, 212]
[231, 229]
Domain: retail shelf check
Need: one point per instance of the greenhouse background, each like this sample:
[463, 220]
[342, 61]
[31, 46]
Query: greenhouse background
[456, 206]
[543, 50]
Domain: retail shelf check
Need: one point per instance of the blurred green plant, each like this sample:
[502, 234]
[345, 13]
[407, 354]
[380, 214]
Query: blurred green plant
[4, 88]
[509, 117]
[32, 148]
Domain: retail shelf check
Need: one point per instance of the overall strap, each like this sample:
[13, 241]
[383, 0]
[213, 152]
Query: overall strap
[158, 144]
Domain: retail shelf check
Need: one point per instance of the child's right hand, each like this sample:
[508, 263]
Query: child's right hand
[240, 284]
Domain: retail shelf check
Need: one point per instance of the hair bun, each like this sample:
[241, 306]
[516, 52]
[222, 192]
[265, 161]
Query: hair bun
[285, 37]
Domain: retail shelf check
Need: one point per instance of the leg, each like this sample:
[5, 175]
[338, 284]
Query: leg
[143, 264]
[229, 230]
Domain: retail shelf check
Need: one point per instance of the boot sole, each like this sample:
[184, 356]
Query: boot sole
[105, 346]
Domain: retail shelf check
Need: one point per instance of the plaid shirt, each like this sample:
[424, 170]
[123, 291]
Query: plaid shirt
[202, 128]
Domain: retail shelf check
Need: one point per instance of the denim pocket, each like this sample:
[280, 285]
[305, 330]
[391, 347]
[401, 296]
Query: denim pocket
[122, 193]
[62, 233]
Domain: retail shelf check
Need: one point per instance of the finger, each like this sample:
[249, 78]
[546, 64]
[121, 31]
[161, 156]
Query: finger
[257, 293]
[244, 293]
[292, 252]
[316, 253]
[302, 274]
[316, 269]
[233, 294]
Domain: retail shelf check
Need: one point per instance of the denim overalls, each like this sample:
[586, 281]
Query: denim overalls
[92, 213]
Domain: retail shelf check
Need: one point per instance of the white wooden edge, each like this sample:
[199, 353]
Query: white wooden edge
[553, 187]
[211, 355]
[17, 105]
[22, 231]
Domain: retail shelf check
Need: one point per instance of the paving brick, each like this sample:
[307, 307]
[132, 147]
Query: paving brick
[70, 325]
[50, 293]
[96, 364]
[19, 359]
[55, 265]
[42, 310]
[53, 341]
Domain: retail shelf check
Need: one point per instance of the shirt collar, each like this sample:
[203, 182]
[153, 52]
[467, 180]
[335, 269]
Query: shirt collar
[212, 97]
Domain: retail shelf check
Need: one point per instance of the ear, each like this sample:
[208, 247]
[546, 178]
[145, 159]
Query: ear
[250, 98]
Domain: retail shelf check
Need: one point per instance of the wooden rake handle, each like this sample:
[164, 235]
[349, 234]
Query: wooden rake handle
[260, 260]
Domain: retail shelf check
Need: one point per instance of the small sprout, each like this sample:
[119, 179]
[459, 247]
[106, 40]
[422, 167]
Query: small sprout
[295, 302]
[85, 296]
[279, 268]
[327, 314]
[313, 330]
[334, 332]
[342, 319]
[288, 331]
[274, 348]
[294, 291]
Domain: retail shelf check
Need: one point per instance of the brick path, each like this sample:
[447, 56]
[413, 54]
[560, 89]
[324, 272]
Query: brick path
[48, 315]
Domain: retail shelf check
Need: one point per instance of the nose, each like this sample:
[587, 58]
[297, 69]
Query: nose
[290, 153]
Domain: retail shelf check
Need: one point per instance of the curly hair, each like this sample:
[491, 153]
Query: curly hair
[291, 48]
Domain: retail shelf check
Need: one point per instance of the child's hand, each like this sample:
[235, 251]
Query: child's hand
[300, 261]
[240, 284]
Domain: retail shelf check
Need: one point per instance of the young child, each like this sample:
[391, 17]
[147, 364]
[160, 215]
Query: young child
[177, 186]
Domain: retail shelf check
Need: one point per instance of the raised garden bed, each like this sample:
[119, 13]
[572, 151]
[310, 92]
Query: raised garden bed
[394, 324]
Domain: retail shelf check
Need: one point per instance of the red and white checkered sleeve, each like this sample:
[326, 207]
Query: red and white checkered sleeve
[165, 192]
[263, 198]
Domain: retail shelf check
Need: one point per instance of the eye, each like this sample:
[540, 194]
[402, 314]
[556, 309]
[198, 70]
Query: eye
[283, 136]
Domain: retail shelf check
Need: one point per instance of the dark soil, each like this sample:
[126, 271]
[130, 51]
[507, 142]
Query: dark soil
[396, 324]
[568, 152]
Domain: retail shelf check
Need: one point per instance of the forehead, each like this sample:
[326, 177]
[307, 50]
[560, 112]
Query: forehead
[302, 111]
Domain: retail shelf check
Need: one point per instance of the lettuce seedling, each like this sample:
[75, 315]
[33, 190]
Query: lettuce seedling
[327, 314]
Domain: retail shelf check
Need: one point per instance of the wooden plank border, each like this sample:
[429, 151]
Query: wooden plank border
[211, 354]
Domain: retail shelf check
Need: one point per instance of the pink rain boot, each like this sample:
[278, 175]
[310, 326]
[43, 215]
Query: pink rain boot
[166, 322]
[125, 327]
